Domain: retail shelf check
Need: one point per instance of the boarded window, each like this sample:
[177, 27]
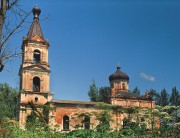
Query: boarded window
[36, 84]
[65, 122]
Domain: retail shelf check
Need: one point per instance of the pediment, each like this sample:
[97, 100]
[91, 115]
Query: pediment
[37, 38]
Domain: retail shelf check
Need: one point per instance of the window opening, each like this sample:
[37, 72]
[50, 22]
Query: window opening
[87, 122]
[65, 122]
[36, 99]
[123, 86]
[36, 56]
[36, 84]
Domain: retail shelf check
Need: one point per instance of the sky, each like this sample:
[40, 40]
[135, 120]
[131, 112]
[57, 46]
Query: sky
[88, 38]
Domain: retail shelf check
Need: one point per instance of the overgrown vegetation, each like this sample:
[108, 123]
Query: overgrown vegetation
[169, 121]
[9, 98]
[139, 122]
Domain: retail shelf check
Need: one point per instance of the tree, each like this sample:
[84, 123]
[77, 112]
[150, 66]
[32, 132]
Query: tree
[164, 98]
[136, 90]
[104, 94]
[152, 93]
[104, 119]
[101, 94]
[130, 111]
[9, 98]
[6, 30]
[37, 119]
[175, 97]
[93, 92]
[156, 96]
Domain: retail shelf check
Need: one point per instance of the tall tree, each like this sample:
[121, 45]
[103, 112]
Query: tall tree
[104, 94]
[9, 98]
[136, 90]
[152, 93]
[156, 96]
[164, 98]
[93, 92]
[175, 97]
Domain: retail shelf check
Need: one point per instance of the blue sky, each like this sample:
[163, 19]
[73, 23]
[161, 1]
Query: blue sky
[89, 37]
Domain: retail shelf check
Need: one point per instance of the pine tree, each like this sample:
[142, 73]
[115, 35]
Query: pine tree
[104, 94]
[164, 98]
[156, 96]
[136, 90]
[93, 92]
[175, 97]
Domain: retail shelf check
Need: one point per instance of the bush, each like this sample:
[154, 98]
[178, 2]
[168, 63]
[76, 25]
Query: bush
[127, 131]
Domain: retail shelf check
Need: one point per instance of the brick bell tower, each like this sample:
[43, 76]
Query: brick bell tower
[35, 71]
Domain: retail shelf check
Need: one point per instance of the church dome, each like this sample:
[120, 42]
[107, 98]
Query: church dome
[119, 75]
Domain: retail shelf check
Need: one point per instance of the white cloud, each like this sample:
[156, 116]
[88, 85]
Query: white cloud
[147, 77]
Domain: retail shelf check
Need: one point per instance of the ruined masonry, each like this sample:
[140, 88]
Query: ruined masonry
[35, 87]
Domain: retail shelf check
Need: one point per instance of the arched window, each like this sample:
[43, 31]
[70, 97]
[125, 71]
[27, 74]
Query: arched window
[87, 122]
[36, 84]
[65, 122]
[123, 86]
[36, 56]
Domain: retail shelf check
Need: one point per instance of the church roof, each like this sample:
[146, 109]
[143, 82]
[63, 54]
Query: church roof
[119, 75]
[35, 28]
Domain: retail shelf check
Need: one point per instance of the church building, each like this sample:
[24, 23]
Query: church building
[35, 87]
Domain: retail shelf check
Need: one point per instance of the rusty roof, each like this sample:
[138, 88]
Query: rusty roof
[35, 28]
[118, 75]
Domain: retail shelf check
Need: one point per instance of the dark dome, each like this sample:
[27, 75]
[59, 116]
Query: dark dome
[119, 75]
[36, 11]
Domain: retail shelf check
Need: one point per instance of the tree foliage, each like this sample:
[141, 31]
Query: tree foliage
[101, 94]
[38, 117]
[136, 90]
[175, 97]
[9, 98]
[164, 98]
[104, 94]
[93, 92]
[103, 130]
[104, 119]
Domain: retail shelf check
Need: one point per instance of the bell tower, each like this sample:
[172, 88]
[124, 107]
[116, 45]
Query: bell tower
[35, 70]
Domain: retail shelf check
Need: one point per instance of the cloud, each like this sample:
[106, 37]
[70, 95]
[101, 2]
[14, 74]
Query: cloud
[147, 77]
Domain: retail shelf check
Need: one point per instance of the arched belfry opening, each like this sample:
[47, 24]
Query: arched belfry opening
[36, 84]
[36, 56]
[66, 122]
